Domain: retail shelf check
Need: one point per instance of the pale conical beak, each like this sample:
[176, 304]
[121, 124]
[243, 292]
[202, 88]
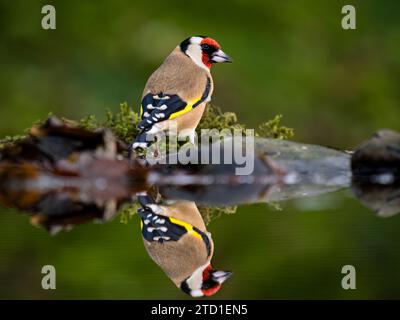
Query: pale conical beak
[220, 56]
[221, 276]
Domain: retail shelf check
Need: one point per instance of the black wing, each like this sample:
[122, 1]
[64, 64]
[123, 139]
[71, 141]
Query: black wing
[160, 107]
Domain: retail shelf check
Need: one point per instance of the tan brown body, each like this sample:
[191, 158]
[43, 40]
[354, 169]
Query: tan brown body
[179, 75]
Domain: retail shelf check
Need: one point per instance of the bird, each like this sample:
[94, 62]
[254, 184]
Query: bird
[176, 239]
[177, 93]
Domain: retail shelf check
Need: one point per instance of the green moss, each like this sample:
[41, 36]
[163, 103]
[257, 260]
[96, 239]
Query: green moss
[214, 118]
[276, 206]
[90, 122]
[274, 129]
[210, 213]
[128, 211]
[122, 123]
[10, 140]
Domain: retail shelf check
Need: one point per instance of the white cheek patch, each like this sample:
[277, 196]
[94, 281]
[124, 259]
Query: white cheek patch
[195, 53]
[196, 293]
[196, 40]
[196, 279]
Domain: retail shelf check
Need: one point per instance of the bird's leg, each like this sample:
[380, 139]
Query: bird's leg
[156, 151]
[192, 137]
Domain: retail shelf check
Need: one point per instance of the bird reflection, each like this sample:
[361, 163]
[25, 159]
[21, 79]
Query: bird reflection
[176, 238]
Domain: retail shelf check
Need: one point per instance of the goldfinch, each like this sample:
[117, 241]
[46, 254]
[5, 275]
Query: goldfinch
[176, 238]
[178, 91]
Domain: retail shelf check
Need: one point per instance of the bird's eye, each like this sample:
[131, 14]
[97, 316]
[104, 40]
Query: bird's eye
[207, 285]
[205, 47]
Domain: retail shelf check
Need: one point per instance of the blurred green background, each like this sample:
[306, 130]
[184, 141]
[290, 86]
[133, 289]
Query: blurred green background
[334, 87]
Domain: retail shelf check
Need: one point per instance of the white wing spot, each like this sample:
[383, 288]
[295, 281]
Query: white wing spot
[163, 107]
[155, 208]
[146, 114]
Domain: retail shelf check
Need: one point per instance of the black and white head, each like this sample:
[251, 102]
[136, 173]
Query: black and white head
[204, 51]
[205, 281]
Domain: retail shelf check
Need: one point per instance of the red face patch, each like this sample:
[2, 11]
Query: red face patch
[206, 58]
[215, 285]
[211, 42]
[210, 291]
[206, 272]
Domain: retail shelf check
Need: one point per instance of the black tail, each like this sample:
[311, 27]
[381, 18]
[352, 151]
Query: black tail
[144, 200]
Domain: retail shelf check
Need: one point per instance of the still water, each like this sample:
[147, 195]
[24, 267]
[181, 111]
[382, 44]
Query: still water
[284, 240]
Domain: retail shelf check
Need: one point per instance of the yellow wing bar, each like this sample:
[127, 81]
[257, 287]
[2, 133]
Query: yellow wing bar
[189, 107]
[187, 226]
